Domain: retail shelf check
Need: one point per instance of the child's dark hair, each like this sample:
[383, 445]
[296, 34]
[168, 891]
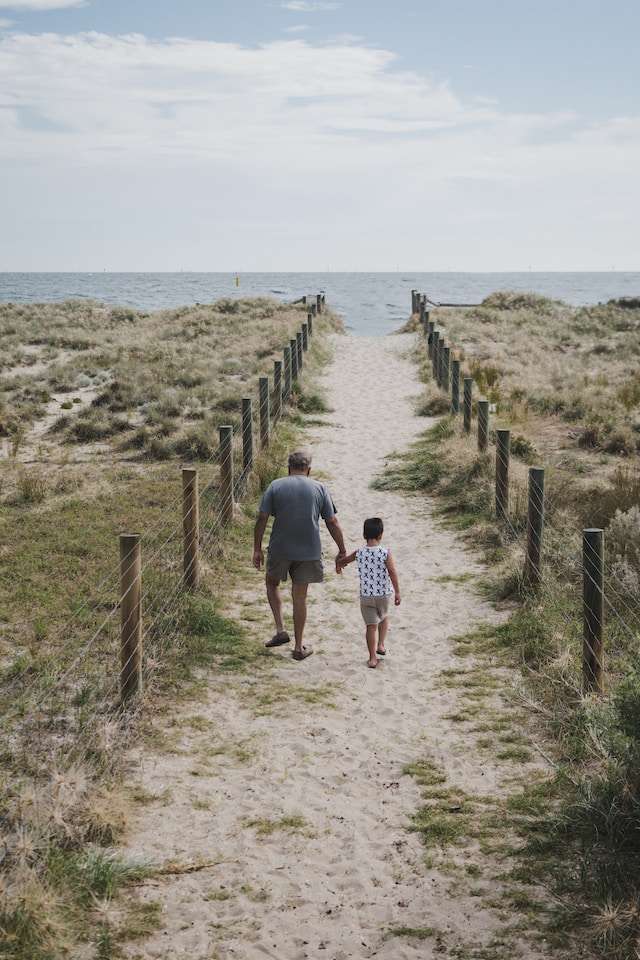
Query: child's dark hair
[373, 528]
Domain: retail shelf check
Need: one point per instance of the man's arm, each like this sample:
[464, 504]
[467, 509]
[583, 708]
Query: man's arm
[258, 533]
[335, 530]
[393, 575]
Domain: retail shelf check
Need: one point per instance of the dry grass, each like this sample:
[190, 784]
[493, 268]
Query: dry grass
[543, 365]
[67, 493]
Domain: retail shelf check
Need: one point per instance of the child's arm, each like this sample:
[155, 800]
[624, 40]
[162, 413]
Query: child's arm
[393, 574]
[350, 557]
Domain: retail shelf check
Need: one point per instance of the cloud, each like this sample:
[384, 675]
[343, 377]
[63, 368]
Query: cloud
[215, 149]
[40, 4]
[309, 6]
[5, 23]
[299, 28]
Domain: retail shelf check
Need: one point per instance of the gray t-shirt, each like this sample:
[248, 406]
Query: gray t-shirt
[296, 503]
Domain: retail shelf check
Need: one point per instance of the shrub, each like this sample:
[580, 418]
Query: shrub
[196, 445]
[434, 406]
[158, 449]
[523, 448]
[520, 300]
[87, 430]
[621, 440]
[32, 486]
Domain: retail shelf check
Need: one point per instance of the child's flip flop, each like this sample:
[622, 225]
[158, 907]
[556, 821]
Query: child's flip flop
[278, 640]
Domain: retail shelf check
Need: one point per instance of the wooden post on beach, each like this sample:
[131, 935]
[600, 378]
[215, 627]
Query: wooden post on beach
[434, 352]
[293, 345]
[467, 403]
[190, 528]
[483, 425]
[305, 337]
[423, 310]
[263, 394]
[446, 359]
[225, 455]
[319, 303]
[299, 349]
[304, 300]
[286, 353]
[439, 370]
[314, 309]
[535, 527]
[593, 610]
[413, 302]
[430, 327]
[310, 323]
[455, 386]
[130, 616]
[324, 300]
[247, 435]
[277, 390]
[503, 453]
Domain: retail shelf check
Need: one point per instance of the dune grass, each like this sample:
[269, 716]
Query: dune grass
[556, 374]
[67, 492]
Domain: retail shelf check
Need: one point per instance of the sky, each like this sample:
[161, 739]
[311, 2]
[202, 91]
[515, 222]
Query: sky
[288, 135]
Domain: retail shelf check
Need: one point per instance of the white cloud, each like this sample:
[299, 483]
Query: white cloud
[145, 147]
[309, 6]
[299, 28]
[40, 4]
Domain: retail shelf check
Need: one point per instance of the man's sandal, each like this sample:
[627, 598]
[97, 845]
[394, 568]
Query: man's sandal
[278, 640]
[302, 654]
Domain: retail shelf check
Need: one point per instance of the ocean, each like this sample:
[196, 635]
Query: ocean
[370, 303]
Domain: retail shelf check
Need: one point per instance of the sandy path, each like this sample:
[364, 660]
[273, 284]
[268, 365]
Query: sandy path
[334, 886]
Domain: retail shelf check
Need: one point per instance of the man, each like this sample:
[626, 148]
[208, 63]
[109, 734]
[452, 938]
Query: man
[296, 502]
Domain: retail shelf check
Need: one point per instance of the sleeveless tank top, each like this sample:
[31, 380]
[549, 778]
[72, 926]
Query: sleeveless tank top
[372, 569]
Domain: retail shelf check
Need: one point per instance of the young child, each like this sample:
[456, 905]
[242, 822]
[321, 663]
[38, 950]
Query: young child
[378, 575]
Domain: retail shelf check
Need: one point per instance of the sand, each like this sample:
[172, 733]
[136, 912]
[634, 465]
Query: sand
[333, 883]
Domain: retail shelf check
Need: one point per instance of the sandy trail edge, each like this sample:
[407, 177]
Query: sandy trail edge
[333, 889]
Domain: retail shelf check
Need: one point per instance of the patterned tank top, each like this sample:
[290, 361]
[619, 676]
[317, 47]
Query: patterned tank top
[372, 568]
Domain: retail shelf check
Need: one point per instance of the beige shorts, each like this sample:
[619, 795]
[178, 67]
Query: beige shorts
[374, 609]
[300, 571]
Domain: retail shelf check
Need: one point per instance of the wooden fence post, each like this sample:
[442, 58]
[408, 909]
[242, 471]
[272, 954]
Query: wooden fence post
[286, 353]
[535, 527]
[319, 303]
[310, 323]
[503, 452]
[441, 343]
[293, 345]
[467, 403]
[430, 328]
[434, 352]
[423, 310]
[455, 386]
[323, 300]
[263, 393]
[247, 435]
[304, 300]
[483, 425]
[190, 528]
[305, 337]
[299, 349]
[277, 390]
[593, 610]
[225, 455]
[413, 302]
[446, 359]
[130, 616]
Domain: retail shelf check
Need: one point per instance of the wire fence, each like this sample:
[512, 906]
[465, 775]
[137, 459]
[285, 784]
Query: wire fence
[110, 652]
[521, 510]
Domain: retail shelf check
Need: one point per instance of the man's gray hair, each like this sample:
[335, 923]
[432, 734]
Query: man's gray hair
[299, 460]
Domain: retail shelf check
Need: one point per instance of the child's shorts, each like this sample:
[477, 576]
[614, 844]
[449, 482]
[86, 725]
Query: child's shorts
[374, 609]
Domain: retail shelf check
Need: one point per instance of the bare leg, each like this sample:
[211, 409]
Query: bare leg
[383, 629]
[372, 631]
[299, 594]
[275, 602]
